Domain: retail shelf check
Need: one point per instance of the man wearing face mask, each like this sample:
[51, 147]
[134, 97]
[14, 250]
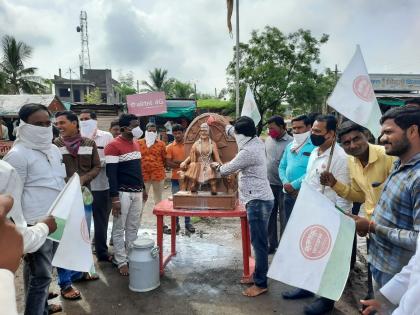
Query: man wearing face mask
[39, 165]
[80, 156]
[153, 155]
[275, 145]
[292, 168]
[101, 206]
[323, 137]
[123, 167]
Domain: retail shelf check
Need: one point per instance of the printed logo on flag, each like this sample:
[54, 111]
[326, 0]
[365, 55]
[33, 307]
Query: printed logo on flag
[362, 87]
[315, 242]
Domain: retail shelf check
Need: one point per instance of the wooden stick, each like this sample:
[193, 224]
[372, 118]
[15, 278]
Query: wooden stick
[329, 161]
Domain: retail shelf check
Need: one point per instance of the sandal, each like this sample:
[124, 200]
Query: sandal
[71, 294]
[190, 228]
[52, 295]
[106, 259]
[87, 277]
[166, 230]
[54, 308]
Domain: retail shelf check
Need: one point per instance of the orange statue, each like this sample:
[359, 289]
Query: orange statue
[196, 168]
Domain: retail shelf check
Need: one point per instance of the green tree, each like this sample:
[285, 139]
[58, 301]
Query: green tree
[158, 81]
[181, 90]
[279, 69]
[94, 96]
[17, 77]
[126, 85]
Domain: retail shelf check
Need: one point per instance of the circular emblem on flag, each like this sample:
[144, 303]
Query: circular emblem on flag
[363, 88]
[315, 242]
[84, 231]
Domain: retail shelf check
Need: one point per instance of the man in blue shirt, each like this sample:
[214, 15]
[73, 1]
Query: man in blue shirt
[292, 168]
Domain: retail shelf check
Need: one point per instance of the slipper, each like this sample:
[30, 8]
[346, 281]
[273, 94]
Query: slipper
[87, 277]
[106, 259]
[70, 294]
[52, 295]
[54, 308]
[166, 229]
[190, 228]
[254, 291]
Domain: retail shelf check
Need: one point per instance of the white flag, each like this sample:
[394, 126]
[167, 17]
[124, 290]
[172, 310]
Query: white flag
[315, 249]
[353, 96]
[250, 108]
[74, 251]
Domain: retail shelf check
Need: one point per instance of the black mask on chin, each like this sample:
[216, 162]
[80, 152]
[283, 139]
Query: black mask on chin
[317, 140]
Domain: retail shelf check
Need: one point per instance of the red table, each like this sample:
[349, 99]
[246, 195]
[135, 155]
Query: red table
[165, 208]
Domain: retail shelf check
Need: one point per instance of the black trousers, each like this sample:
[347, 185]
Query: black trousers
[273, 233]
[101, 210]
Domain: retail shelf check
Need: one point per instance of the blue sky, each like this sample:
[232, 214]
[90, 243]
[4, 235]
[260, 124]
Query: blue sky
[190, 37]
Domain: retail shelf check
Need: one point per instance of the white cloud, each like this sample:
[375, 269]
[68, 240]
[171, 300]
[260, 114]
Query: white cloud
[190, 38]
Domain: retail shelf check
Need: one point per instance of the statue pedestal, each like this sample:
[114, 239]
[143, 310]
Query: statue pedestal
[203, 200]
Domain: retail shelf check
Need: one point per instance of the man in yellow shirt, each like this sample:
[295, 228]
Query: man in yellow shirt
[369, 167]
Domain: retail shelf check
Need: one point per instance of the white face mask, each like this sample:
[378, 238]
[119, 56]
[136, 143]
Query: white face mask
[88, 128]
[137, 132]
[34, 137]
[299, 139]
[150, 138]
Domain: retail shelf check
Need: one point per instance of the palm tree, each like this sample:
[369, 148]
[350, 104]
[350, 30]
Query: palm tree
[182, 90]
[158, 81]
[17, 76]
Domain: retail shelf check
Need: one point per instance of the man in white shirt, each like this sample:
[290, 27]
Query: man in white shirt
[400, 295]
[34, 236]
[100, 184]
[324, 136]
[11, 247]
[39, 165]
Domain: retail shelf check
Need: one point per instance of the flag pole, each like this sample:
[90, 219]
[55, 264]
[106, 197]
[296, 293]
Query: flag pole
[329, 162]
[237, 59]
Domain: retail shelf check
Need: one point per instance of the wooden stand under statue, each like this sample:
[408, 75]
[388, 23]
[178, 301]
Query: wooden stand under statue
[200, 187]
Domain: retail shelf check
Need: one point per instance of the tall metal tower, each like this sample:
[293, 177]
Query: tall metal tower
[84, 56]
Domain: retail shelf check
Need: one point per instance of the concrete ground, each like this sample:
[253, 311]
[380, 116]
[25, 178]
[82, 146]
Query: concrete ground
[202, 279]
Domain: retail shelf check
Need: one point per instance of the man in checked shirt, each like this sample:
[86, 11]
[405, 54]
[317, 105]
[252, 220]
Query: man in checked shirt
[395, 223]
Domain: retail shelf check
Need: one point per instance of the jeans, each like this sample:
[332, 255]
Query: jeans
[258, 212]
[126, 225]
[273, 236]
[37, 277]
[101, 209]
[65, 276]
[175, 189]
[289, 203]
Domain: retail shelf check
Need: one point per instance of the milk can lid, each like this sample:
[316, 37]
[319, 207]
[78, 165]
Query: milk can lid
[143, 243]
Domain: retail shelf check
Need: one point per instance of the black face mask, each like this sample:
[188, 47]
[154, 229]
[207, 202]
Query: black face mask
[317, 140]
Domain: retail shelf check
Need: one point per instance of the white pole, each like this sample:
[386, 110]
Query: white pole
[237, 58]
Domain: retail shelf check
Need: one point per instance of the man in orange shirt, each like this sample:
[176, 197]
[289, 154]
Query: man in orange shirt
[175, 154]
[153, 159]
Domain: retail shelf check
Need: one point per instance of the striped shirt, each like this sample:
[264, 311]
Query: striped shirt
[123, 166]
[397, 218]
